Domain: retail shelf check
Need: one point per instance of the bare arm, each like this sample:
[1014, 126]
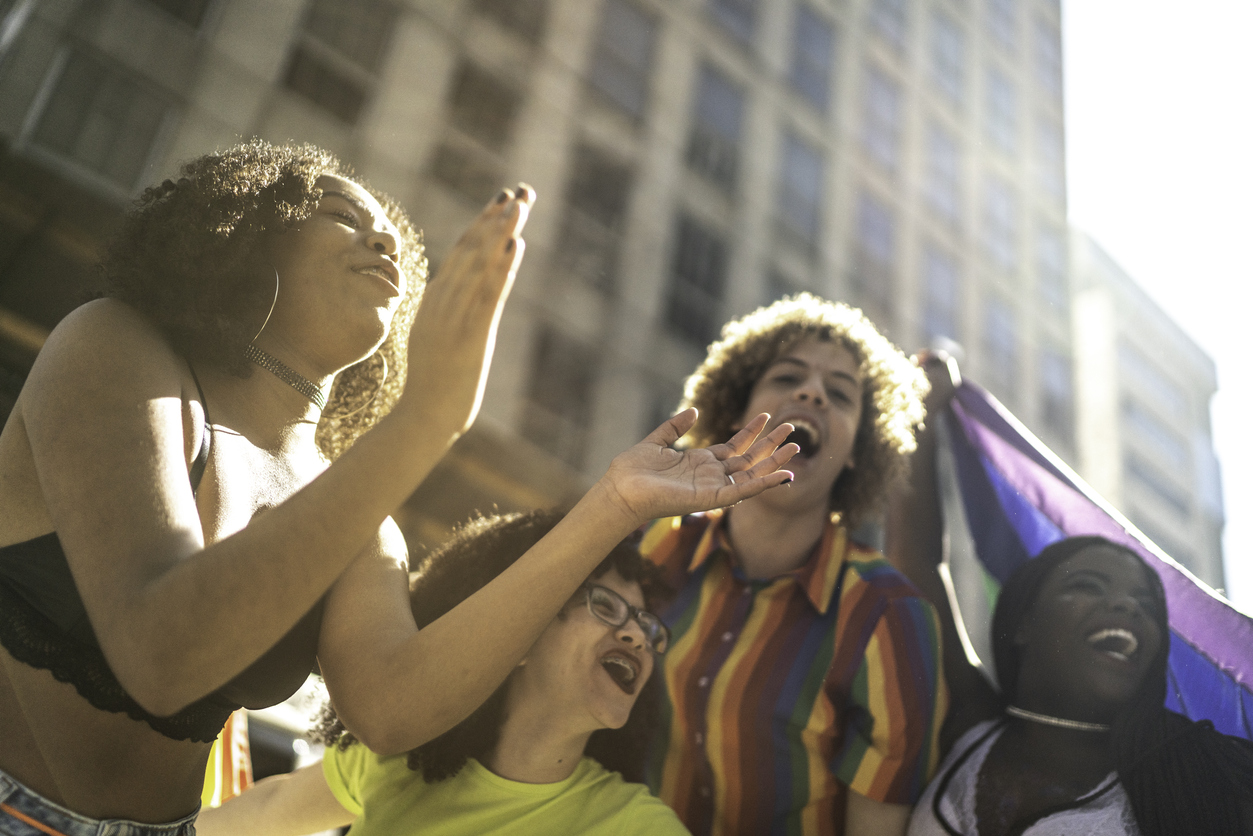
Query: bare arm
[864, 817]
[177, 617]
[914, 545]
[396, 687]
[294, 804]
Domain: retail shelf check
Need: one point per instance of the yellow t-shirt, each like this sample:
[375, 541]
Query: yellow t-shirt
[390, 799]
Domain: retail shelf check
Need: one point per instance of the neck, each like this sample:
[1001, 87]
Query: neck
[770, 540]
[536, 748]
[1080, 754]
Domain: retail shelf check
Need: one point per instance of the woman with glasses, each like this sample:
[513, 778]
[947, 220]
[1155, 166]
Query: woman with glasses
[539, 756]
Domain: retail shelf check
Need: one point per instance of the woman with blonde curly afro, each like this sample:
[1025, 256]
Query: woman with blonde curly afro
[804, 675]
[193, 514]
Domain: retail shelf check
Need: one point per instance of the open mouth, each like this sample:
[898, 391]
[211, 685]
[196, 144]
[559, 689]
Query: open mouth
[804, 436]
[1115, 642]
[622, 670]
[382, 273]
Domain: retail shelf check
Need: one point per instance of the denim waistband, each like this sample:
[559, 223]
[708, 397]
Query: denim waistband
[24, 812]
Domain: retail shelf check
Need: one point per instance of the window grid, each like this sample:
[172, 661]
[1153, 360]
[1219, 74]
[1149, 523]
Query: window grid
[739, 17]
[558, 411]
[887, 18]
[881, 124]
[527, 18]
[338, 53]
[1000, 343]
[948, 57]
[1002, 20]
[1000, 221]
[622, 64]
[714, 146]
[1051, 269]
[813, 55]
[1002, 114]
[597, 194]
[940, 278]
[800, 189]
[943, 183]
[875, 254]
[1047, 43]
[696, 282]
[1057, 393]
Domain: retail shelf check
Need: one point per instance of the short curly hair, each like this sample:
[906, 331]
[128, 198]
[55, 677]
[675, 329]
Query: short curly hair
[478, 552]
[892, 390]
[188, 258]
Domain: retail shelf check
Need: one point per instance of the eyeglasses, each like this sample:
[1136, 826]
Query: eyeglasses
[611, 609]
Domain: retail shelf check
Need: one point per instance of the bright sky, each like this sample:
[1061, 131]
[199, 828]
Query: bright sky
[1160, 157]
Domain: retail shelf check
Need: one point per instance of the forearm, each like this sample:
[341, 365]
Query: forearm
[456, 662]
[294, 804]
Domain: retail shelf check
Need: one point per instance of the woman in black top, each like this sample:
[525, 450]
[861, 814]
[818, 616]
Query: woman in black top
[173, 539]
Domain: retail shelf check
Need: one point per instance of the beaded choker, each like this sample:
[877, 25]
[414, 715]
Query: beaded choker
[1076, 725]
[285, 373]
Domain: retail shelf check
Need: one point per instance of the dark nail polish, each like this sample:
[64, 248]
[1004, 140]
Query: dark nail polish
[509, 245]
[523, 193]
[503, 196]
[786, 482]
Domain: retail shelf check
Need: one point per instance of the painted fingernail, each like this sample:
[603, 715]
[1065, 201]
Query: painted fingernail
[786, 482]
[509, 245]
[503, 196]
[524, 191]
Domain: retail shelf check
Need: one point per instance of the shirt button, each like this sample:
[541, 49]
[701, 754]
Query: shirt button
[704, 792]
[727, 636]
[703, 682]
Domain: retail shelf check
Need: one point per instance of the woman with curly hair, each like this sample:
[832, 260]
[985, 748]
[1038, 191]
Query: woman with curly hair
[547, 752]
[1080, 741]
[804, 679]
[193, 514]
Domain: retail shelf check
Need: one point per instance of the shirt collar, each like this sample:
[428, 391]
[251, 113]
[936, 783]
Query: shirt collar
[819, 574]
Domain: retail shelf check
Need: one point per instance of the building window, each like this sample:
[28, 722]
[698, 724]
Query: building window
[483, 106]
[1000, 347]
[338, 53]
[558, 410]
[1152, 432]
[696, 282]
[596, 203]
[948, 57]
[738, 16]
[1002, 115]
[881, 125]
[1047, 49]
[101, 119]
[1140, 372]
[1050, 250]
[1057, 394]
[1000, 223]
[1050, 158]
[800, 190]
[1156, 483]
[466, 168]
[714, 147]
[887, 18]
[943, 184]
[875, 256]
[941, 283]
[1003, 23]
[622, 63]
[525, 17]
[190, 12]
[813, 55]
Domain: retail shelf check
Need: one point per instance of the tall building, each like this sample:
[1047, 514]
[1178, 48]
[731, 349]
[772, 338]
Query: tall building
[694, 159]
[1143, 413]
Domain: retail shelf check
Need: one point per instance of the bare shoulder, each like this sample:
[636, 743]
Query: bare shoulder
[106, 329]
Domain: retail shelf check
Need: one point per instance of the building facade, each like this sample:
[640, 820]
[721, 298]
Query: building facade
[1144, 433]
[694, 159]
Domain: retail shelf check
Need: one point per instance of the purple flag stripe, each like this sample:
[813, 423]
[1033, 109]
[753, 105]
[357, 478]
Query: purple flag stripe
[1197, 614]
[988, 411]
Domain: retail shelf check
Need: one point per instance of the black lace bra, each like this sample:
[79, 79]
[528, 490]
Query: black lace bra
[44, 624]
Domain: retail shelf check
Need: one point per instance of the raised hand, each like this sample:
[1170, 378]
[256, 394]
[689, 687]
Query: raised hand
[454, 333]
[652, 479]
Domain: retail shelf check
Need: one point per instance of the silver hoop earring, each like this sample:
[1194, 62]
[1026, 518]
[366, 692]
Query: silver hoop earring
[370, 400]
[270, 313]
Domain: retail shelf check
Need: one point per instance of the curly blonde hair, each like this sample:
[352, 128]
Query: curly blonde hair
[892, 390]
[189, 258]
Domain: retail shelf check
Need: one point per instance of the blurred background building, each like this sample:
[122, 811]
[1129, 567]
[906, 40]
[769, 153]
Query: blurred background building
[694, 159]
[1144, 389]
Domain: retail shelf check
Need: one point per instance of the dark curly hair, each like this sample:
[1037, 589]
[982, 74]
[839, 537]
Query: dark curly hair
[892, 390]
[478, 552]
[1182, 778]
[188, 258]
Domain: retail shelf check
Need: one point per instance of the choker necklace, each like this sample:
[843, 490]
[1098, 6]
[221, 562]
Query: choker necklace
[1076, 725]
[285, 373]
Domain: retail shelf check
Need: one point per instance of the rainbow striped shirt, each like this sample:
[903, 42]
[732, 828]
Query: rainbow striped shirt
[785, 692]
